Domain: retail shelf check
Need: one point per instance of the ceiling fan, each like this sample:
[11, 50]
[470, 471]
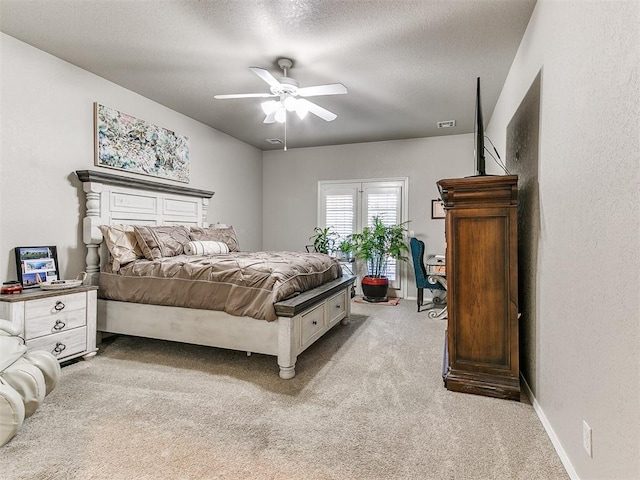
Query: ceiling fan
[286, 88]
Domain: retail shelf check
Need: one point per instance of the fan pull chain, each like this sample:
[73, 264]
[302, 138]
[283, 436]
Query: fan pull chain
[285, 130]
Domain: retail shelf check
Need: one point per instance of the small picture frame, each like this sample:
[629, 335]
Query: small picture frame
[437, 209]
[36, 265]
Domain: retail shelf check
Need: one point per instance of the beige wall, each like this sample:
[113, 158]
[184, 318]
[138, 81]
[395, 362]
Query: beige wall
[46, 132]
[587, 355]
[291, 184]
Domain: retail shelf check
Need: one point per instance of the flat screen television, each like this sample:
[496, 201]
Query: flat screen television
[479, 136]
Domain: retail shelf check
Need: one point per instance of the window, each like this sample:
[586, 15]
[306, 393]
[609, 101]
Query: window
[348, 206]
[339, 209]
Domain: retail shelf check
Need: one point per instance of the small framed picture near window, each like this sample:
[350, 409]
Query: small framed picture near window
[437, 209]
[36, 265]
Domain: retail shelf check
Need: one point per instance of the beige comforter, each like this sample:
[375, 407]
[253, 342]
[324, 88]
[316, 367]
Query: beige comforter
[239, 283]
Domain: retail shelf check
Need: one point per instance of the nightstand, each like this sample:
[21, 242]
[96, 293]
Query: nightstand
[62, 322]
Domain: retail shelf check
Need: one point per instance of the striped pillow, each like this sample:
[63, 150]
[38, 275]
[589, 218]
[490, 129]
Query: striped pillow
[205, 248]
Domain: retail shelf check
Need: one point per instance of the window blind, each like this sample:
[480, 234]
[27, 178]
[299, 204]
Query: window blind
[383, 205]
[340, 213]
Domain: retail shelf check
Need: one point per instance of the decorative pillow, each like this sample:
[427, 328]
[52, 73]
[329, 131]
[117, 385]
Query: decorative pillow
[216, 234]
[164, 241]
[122, 244]
[205, 248]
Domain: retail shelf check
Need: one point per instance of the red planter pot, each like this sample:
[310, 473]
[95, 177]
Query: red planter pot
[374, 289]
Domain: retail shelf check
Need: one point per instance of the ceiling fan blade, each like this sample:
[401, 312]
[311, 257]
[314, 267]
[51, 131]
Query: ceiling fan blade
[271, 117]
[331, 89]
[318, 110]
[244, 95]
[265, 75]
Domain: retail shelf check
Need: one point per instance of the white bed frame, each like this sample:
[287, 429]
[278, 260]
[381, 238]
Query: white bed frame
[112, 199]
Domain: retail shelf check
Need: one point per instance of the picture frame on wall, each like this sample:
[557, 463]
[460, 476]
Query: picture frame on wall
[35, 265]
[131, 144]
[437, 209]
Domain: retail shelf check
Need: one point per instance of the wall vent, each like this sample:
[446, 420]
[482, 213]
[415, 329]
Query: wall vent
[447, 124]
[275, 141]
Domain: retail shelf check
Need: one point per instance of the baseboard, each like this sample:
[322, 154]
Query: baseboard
[550, 432]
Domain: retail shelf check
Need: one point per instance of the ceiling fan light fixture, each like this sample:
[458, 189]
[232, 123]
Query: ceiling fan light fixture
[281, 115]
[270, 106]
[290, 103]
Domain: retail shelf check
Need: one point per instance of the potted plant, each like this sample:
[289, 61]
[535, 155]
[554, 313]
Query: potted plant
[324, 239]
[346, 248]
[376, 245]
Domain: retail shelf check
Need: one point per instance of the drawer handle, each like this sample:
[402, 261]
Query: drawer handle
[59, 325]
[315, 322]
[338, 306]
[59, 306]
[57, 350]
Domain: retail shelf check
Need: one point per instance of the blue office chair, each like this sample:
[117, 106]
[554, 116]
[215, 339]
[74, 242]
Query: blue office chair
[422, 280]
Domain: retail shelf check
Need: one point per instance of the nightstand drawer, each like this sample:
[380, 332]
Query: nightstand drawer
[337, 307]
[44, 307]
[54, 314]
[63, 344]
[311, 324]
[37, 327]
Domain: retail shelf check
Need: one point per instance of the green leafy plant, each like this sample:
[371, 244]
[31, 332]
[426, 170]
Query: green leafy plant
[346, 247]
[378, 243]
[324, 239]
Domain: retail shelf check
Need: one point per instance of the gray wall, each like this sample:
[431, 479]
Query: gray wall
[586, 360]
[46, 133]
[291, 184]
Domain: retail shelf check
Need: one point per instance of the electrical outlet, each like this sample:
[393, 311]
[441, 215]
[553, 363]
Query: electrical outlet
[586, 438]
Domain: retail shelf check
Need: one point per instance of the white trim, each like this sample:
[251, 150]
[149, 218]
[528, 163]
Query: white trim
[564, 458]
[365, 180]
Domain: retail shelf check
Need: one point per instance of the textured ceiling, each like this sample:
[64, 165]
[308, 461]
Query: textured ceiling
[407, 64]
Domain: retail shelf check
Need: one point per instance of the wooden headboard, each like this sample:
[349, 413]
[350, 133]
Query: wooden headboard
[112, 199]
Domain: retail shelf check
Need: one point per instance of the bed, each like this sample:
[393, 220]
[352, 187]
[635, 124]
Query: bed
[290, 325]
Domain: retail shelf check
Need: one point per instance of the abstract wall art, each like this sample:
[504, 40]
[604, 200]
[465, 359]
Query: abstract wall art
[128, 143]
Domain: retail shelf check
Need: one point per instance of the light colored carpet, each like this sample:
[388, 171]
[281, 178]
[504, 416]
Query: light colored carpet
[368, 402]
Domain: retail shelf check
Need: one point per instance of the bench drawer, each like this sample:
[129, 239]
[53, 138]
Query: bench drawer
[337, 307]
[311, 325]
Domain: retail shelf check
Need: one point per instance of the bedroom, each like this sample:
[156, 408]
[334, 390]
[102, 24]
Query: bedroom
[583, 368]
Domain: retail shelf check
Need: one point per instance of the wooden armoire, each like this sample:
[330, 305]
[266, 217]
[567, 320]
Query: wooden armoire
[482, 275]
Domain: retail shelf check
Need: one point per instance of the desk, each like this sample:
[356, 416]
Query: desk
[437, 274]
